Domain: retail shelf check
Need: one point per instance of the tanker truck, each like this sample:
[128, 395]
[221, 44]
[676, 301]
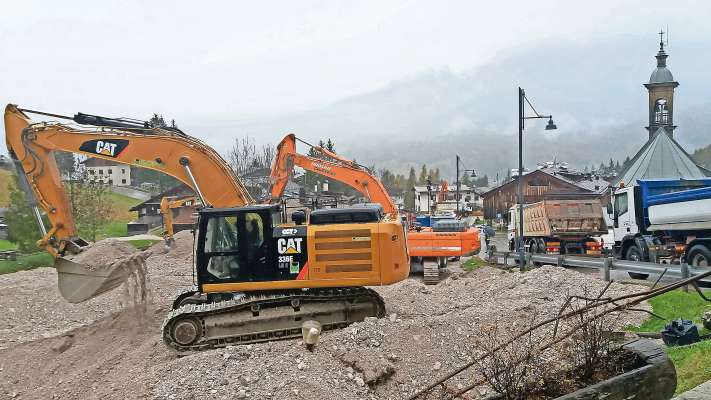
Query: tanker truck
[559, 227]
[665, 221]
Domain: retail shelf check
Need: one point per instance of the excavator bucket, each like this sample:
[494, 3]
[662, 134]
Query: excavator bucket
[79, 282]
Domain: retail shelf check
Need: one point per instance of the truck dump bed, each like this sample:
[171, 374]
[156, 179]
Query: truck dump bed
[676, 204]
[559, 218]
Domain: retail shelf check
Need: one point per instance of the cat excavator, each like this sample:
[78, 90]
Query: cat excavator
[167, 206]
[257, 276]
[423, 244]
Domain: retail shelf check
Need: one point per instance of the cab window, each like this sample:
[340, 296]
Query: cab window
[221, 235]
[621, 204]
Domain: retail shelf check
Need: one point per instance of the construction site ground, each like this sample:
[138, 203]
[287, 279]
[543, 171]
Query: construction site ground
[102, 350]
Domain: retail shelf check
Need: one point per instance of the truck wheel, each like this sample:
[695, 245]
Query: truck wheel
[700, 256]
[634, 254]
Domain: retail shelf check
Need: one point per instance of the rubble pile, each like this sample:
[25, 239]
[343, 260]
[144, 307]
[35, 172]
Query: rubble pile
[428, 331]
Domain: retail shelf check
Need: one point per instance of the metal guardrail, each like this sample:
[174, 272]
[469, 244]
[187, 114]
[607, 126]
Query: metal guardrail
[605, 264]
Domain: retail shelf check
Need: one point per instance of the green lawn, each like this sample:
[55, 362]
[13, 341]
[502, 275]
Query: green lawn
[674, 305]
[27, 261]
[692, 363]
[142, 244]
[5, 245]
[473, 263]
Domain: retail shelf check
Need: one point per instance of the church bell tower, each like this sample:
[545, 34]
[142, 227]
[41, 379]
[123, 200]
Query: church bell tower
[661, 94]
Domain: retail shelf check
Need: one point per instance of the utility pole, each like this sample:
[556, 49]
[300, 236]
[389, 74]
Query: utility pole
[549, 126]
[519, 237]
[458, 184]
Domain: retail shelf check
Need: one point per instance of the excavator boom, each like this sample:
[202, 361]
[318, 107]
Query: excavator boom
[31, 146]
[333, 166]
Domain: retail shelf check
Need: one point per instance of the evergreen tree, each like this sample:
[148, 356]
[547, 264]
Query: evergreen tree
[466, 181]
[627, 162]
[422, 179]
[409, 185]
[618, 167]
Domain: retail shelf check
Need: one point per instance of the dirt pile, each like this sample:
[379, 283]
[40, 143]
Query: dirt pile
[428, 331]
[104, 254]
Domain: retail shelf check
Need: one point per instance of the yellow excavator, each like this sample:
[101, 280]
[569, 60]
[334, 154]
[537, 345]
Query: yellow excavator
[258, 277]
[167, 206]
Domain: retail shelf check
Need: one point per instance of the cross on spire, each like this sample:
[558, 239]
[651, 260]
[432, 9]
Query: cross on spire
[661, 39]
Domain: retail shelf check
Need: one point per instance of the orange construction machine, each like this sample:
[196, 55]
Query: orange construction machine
[257, 276]
[447, 239]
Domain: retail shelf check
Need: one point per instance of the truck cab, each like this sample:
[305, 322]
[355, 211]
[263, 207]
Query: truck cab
[624, 215]
[666, 221]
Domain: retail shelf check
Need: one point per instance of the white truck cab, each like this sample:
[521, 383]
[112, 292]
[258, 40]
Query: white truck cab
[624, 217]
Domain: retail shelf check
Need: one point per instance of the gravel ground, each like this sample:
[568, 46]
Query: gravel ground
[114, 354]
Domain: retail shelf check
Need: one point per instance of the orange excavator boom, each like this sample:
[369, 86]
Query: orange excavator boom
[333, 166]
[31, 146]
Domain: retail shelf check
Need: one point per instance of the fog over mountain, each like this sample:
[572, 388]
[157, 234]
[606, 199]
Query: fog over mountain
[593, 89]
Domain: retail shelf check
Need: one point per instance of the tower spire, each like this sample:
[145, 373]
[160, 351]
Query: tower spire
[661, 94]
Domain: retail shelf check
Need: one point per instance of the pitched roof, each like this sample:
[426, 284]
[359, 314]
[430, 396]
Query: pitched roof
[660, 157]
[566, 181]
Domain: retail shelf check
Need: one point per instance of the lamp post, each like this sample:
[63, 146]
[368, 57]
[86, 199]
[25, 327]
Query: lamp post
[459, 185]
[429, 195]
[550, 126]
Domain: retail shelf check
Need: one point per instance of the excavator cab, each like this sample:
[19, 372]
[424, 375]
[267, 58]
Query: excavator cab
[246, 244]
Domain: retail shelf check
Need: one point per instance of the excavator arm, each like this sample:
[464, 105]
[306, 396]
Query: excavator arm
[167, 205]
[31, 146]
[178, 155]
[333, 166]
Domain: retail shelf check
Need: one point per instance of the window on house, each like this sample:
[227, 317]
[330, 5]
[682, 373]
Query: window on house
[123, 181]
[101, 172]
[661, 112]
[111, 171]
[111, 181]
[123, 171]
[91, 172]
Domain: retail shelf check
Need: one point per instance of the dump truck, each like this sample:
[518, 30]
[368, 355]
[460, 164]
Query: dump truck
[559, 227]
[666, 221]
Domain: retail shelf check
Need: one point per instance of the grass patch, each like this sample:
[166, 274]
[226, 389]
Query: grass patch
[693, 365]
[473, 263]
[142, 244]
[120, 205]
[673, 305]
[27, 261]
[5, 245]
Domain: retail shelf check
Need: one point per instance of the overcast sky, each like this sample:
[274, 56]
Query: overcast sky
[195, 61]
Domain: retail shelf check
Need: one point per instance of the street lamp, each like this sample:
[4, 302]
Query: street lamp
[550, 126]
[459, 183]
[429, 195]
